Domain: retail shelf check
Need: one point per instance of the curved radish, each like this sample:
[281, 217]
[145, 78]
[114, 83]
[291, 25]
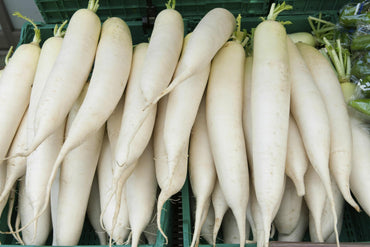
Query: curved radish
[311, 115]
[341, 138]
[69, 73]
[315, 198]
[182, 107]
[224, 112]
[141, 190]
[219, 208]
[210, 34]
[109, 77]
[200, 163]
[163, 52]
[288, 215]
[54, 195]
[296, 158]
[15, 89]
[76, 177]
[360, 175]
[114, 123]
[93, 211]
[270, 104]
[299, 231]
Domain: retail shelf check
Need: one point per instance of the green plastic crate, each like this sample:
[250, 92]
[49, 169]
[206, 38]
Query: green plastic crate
[356, 226]
[55, 11]
[304, 6]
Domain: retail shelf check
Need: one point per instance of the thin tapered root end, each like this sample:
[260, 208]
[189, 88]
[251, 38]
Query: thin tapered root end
[162, 198]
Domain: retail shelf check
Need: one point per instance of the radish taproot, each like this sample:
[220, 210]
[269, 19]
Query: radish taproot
[69, 73]
[115, 46]
[220, 207]
[270, 106]
[340, 135]
[224, 103]
[15, 88]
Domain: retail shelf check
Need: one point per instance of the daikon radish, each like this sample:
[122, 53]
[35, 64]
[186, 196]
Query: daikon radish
[340, 135]
[360, 175]
[270, 106]
[109, 77]
[69, 73]
[224, 103]
[15, 88]
[200, 163]
[296, 160]
[181, 111]
[247, 114]
[312, 117]
[76, 177]
[210, 34]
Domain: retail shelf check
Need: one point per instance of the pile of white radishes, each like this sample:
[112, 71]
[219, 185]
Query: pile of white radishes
[267, 136]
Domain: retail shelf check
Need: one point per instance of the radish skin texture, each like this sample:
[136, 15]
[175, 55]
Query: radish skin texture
[54, 194]
[200, 163]
[210, 34]
[114, 123]
[68, 75]
[299, 231]
[296, 160]
[288, 215]
[230, 229]
[181, 111]
[163, 53]
[109, 77]
[15, 89]
[340, 135]
[247, 114]
[141, 190]
[93, 211]
[224, 103]
[76, 177]
[315, 199]
[160, 155]
[360, 175]
[107, 204]
[311, 114]
[219, 208]
[270, 104]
